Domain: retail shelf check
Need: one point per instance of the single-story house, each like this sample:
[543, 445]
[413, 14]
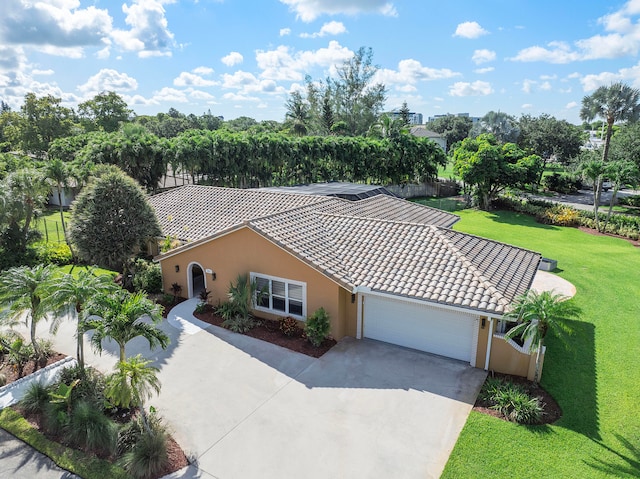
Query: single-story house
[422, 132]
[383, 268]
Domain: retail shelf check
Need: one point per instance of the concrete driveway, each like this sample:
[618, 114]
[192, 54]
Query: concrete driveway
[243, 408]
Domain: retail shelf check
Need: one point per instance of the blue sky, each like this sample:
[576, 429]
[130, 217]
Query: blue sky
[244, 57]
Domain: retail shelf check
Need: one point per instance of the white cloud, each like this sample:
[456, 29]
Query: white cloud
[285, 31]
[469, 30]
[477, 88]
[622, 38]
[202, 70]
[410, 72]
[69, 52]
[282, 64]
[331, 28]
[571, 105]
[108, 79]
[527, 85]
[202, 95]
[169, 95]
[629, 75]
[309, 10]
[239, 97]
[238, 80]
[191, 79]
[104, 53]
[548, 77]
[526, 106]
[483, 70]
[483, 56]
[53, 23]
[545, 86]
[42, 72]
[149, 35]
[233, 58]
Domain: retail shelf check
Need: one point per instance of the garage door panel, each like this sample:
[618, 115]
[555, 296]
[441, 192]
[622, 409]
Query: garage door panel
[423, 327]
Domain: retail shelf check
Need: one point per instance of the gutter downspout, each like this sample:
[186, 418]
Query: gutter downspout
[489, 340]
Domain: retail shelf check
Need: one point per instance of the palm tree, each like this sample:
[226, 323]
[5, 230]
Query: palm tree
[21, 290]
[76, 292]
[132, 382]
[536, 314]
[122, 317]
[620, 172]
[614, 103]
[298, 113]
[592, 169]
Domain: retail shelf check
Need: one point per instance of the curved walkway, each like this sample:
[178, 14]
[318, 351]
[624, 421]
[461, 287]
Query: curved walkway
[181, 317]
[545, 281]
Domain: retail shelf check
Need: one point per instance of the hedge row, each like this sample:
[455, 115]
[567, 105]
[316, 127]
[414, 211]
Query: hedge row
[547, 212]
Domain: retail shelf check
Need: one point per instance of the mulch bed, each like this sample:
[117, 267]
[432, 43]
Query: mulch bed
[595, 232]
[269, 330]
[12, 374]
[552, 411]
[177, 457]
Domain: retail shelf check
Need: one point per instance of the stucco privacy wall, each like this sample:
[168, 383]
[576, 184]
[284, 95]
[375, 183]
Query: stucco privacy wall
[244, 251]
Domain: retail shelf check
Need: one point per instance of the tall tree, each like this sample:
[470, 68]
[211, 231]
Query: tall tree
[297, 113]
[42, 120]
[111, 217]
[620, 173]
[536, 314]
[489, 167]
[21, 291]
[75, 293]
[502, 126]
[22, 194]
[454, 128]
[546, 136]
[124, 316]
[593, 168]
[405, 113]
[615, 103]
[105, 111]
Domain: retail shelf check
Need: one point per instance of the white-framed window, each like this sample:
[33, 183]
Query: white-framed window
[280, 295]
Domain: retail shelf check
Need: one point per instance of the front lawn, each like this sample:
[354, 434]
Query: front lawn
[50, 225]
[595, 376]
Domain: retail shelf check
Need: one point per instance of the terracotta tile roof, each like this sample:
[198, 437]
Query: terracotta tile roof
[192, 212]
[383, 243]
[407, 259]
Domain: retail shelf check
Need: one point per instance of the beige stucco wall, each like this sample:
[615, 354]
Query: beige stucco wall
[245, 251]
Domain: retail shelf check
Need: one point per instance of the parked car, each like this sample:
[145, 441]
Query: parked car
[606, 184]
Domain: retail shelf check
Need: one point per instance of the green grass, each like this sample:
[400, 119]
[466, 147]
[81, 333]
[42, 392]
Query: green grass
[595, 376]
[86, 466]
[50, 225]
[447, 204]
[447, 171]
[97, 271]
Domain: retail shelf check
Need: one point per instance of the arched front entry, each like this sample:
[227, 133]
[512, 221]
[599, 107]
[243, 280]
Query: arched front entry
[197, 279]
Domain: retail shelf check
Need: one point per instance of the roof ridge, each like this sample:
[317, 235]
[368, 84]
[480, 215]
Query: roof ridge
[487, 283]
[324, 200]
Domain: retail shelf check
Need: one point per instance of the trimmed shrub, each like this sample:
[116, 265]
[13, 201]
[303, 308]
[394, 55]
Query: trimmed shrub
[629, 200]
[53, 253]
[317, 327]
[147, 276]
[200, 308]
[289, 326]
[90, 388]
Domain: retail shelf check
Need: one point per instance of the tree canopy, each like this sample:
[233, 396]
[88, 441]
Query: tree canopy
[454, 128]
[489, 167]
[110, 219]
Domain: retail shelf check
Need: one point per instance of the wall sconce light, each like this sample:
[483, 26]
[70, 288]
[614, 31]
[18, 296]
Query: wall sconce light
[484, 322]
[353, 298]
[177, 268]
[213, 275]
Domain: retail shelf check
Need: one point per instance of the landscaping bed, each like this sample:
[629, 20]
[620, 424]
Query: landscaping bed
[12, 373]
[269, 330]
[551, 411]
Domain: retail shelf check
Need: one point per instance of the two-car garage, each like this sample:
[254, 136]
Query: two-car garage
[419, 325]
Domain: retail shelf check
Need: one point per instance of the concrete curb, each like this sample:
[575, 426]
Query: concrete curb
[13, 392]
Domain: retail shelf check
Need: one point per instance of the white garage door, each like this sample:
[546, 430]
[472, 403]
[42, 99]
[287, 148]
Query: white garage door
[427, 328]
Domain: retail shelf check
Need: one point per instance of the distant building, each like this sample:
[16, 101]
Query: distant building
[414, 118]
[474, 119]
[422, 132]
